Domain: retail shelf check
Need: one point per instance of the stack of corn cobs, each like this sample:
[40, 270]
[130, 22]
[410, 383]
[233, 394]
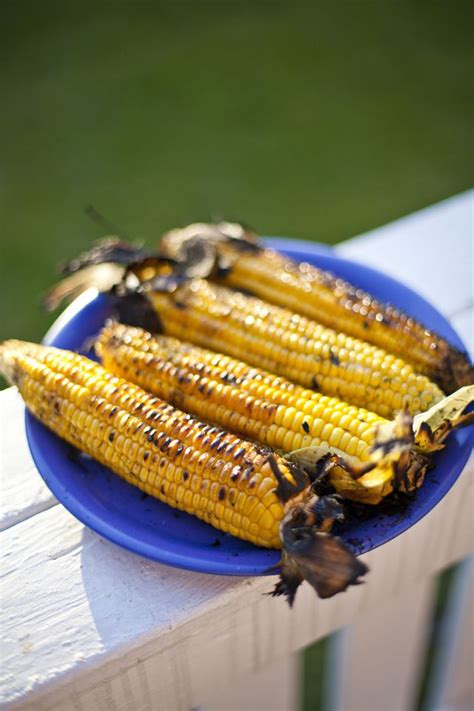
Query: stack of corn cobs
[259, 394]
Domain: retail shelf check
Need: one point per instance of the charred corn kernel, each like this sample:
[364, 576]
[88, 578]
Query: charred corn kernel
[333, 302]
[322, 296]
[218, 318]
[318, 295]
[306, 290]
[373, 452]
[165, 452]
[231, 394]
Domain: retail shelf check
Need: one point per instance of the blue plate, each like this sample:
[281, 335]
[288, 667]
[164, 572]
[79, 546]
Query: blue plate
[121, 513]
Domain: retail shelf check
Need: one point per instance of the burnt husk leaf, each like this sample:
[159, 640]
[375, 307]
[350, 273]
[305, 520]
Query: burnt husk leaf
[104, 277]
[134, 309]
[321, 559]
[197, 258]
[310, 552]
[285, 489]
[110, 249]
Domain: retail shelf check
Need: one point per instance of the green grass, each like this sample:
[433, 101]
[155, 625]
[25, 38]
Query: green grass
[313, 121]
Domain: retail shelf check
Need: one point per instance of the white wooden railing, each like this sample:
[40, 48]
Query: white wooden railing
[87, 625]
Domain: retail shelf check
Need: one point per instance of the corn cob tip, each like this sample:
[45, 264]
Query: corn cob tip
[109, 265]
[239, 235]
[456, 371]
[311, 553]
[134, 309]
[108, 250]
[8, 364]
[192, 252]
[393, 464]
[433, 426]
[102, 277]
[203, 249]
[400, 454]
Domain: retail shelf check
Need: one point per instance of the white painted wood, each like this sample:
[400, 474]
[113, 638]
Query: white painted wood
[89, 610]
[381, 652]
[453, 684]
[81, 596]
[99, 628]
[431, 251]
[23, 492]
[274, 688]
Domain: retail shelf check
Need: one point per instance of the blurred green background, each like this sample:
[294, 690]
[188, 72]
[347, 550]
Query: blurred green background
[316, 120]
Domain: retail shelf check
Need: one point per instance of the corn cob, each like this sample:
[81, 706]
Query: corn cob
[289, 345]
[268, 336]
[253, 403]
[232, 484]
[319, 295]
[276, 412]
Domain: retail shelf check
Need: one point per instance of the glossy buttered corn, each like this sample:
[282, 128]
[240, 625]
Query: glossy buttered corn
[290, 345]
[242, 263]
[234, 485]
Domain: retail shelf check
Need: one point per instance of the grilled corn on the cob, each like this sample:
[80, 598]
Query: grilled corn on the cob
[262, 334]
[232, 484]
[240, 262]
[275, 411]
[258, 405]
[290, 345]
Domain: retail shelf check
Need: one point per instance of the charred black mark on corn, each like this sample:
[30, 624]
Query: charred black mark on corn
[286, 490]
[333, 357]
[200, 470]
[135, 309]
[425, 431]
[236, 472]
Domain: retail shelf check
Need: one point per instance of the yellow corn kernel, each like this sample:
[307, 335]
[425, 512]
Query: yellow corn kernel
[247, 400]
[224, 320]
[164, 451]
[327, 299]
